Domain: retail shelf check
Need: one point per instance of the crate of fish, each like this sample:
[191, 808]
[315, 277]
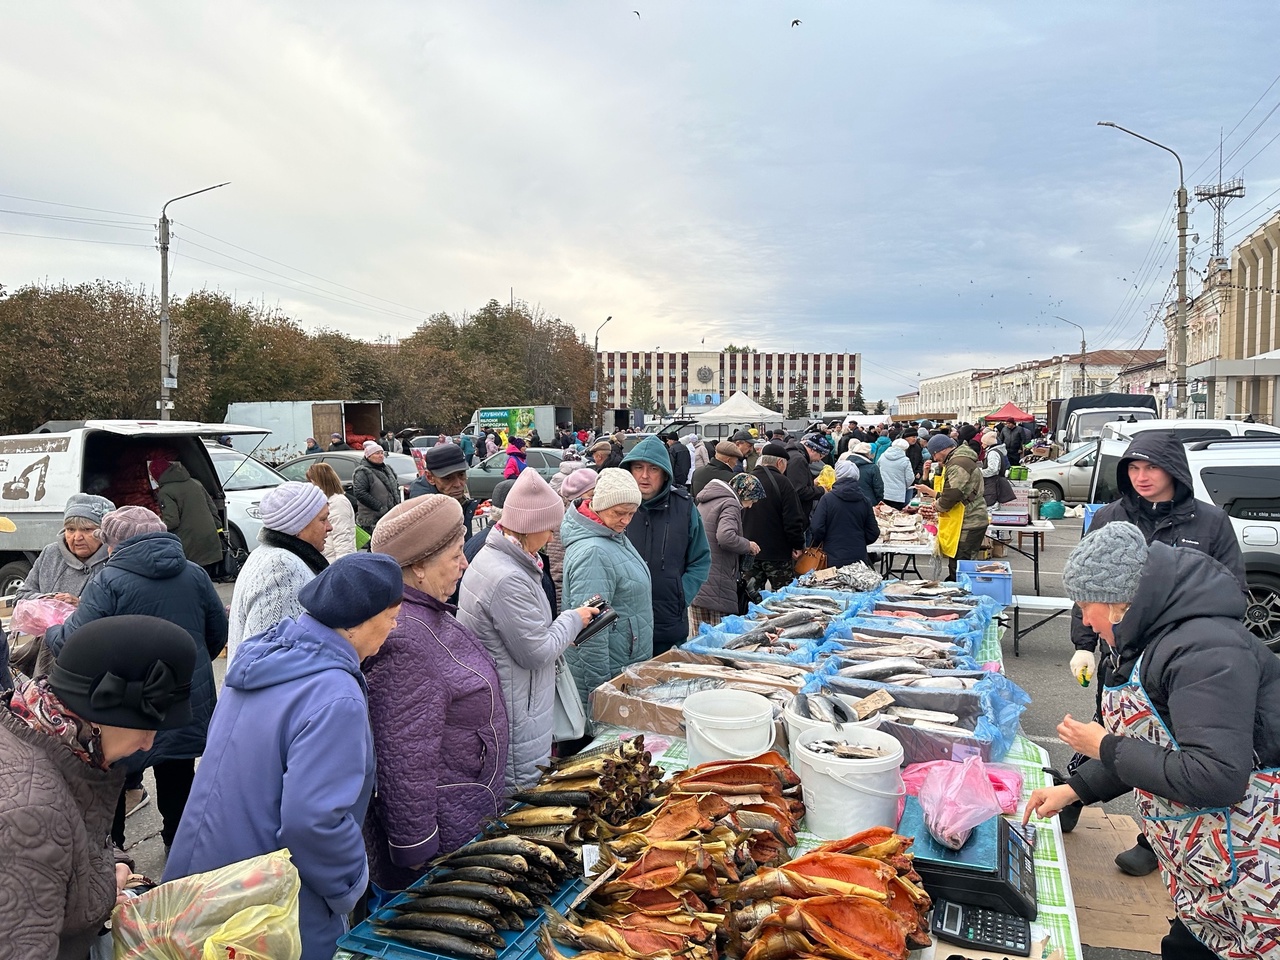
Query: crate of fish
[780, 627]
[965, 637]
[974, 609]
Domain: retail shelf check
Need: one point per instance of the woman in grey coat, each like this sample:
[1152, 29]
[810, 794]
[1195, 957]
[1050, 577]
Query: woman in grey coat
[721, 505]
[65, 566]
[375, 487]
[502, 602]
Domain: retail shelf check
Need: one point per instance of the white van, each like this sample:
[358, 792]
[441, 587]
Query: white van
[40, 471]
[1189, 430]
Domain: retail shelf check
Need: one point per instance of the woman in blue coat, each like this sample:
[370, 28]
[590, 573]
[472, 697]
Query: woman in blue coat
[844, 522]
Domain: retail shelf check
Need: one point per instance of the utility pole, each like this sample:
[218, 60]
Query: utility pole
[169, 365]
[1180, 316]
[1083, 379]
[595, 376]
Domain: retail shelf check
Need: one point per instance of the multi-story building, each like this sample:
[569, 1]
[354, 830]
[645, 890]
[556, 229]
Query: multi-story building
[697, 380]
[908, 405]
[949, 395]
[1031, 384]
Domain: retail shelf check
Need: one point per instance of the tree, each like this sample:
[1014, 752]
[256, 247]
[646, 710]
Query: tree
[833, 405]
[642, 393]
[880, 408]
[767, 399]
[859, 403]
[798, 406]
[734, 348]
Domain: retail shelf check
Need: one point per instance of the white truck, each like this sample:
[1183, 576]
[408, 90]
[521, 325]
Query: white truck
[288, 423]
[521, 421]
[1080, 419]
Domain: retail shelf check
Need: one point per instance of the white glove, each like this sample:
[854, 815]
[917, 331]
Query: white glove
[1083, 666]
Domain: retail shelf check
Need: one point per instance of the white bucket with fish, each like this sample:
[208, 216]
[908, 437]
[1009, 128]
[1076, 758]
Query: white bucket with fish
[843, 796]
[727, 725]
[797, 723]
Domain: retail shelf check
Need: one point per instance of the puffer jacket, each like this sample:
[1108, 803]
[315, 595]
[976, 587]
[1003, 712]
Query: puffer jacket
[1212, 683]
[869, 478]
[879, 447]
[597, 560]
[188, 511]
[962, 483]
[896, 475]
[58, 885]
[342, 538]
[149, 575]
[722, 519]
[440, 731]
[517, 461]
[502, 602]
[58, 570]
[1183, 521]
[376, 490]
[776, 523]
[844, 523]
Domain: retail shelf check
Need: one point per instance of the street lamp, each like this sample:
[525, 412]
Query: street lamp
[1180, 321]
[1083, 381]
[168, 370]
[595, 378]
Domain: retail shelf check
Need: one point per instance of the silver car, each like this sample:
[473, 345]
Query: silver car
[1068, 477]
[487, 474]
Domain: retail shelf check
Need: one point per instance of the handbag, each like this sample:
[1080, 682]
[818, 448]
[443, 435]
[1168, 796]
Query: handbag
[810, 559]
[569, 720]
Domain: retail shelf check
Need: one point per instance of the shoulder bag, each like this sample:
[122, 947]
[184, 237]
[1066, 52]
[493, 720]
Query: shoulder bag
[569, 720]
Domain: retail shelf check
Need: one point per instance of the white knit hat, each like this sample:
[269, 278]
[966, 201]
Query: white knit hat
[291, 506]
[615, 486]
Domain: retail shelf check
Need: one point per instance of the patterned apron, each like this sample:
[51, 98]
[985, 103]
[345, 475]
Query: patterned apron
[1221, 865]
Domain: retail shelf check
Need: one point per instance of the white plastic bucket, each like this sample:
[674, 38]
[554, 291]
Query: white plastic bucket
[727, 725]
[844, 796]
[797, 724]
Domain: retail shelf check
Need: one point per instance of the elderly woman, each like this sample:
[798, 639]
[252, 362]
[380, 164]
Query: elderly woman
[503, 603]
[844, 522]
[291, 758]
[575, 487]
[295, 526]
[721, 504]
[62, 738]
[65, 566]
[1192, 726]
[375, 487]
[342, 516]
[435, 702]
[599, 559]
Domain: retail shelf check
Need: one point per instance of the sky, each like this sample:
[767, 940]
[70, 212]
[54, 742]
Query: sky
[924, 183]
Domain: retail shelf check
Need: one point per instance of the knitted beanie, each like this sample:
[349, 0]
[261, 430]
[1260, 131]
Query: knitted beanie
[613, 487]
[939, 443]
[119, 525]
[86, 506]
[862, 449]
[847, 470]
[354, 588]
[418, 529]
[291, 506]
[370, 448]
[580, 482]
[532, 506]
[989, 439]
[1106, 565]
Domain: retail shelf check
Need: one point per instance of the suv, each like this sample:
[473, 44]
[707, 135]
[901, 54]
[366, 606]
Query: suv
[1066, 478]
[1188, 430]
[1242, 476]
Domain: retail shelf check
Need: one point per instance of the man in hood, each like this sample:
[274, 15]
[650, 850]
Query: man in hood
[1156, 496]
[667, 531]
[799, 455]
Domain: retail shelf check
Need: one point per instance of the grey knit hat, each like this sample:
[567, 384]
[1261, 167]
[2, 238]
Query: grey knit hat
[1106, 565]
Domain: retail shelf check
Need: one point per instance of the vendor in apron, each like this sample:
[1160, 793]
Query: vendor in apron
[1192, 726]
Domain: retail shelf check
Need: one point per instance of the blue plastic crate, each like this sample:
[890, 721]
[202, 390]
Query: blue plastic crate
[997, 586]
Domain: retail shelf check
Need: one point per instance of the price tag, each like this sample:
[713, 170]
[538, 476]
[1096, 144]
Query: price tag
[873, 704]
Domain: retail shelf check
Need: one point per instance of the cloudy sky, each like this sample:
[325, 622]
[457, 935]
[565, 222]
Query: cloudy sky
[924, 182]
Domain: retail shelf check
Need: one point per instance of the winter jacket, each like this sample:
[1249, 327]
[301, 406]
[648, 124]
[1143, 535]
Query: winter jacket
[714, 470]
[962, 483]
[916, 455]
[801, 477]
[440, 733]
[58, 570]
[339, 445]
[896, 476]
[1212, 683]
[502, 602]
[476, 543]
[267, 587]
[843, 524]
[58, 884]
[698, 456]
[722, 519]
[188, 511]
[869, 478]
[1013, 439]
[342, 538]
[150, 575]
[597, 560]
[376, 490]
[667, 531]
[1183, 521]
[879, 447]
[681, 464]
[995, 462]
[517, 461]
[776, 523]
[290, 764]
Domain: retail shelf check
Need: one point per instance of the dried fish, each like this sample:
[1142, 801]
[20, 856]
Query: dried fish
[674, 691]
[439, 942]
[847, 751]
[913, 714]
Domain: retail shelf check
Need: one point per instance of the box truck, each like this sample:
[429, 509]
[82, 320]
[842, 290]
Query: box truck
[521, 421]
[290, 422]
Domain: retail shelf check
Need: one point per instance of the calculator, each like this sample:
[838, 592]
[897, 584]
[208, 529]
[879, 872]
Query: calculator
[979, 927]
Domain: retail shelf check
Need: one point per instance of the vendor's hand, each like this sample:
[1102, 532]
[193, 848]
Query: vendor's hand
[1083, 738]
[923, 490]
[1084, 666]
[586, 613]
[1049, 801]
[755, 547]
[122, 880]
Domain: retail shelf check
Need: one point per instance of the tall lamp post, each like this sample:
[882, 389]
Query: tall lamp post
[168, 370]
[1083, 381]
[595, 378]
[1180, 333]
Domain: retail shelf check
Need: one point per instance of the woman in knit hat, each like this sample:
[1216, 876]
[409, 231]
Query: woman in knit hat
[502, 602]
[721, 503]
[62, 737]
[295, 526]
[375, 487]
[435, 704]
[1191, 723]
[599, 559]
[65, 566]
[575, 485]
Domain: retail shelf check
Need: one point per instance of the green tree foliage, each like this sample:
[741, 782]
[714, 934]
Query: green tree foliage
[734, 348]
[859, 403]
[641, 393]
[833, 405]
[767, 399]
[880, 407]
[798, 405]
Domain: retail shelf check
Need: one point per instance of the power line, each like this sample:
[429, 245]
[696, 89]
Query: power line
[90, 221]
[1239, 146]
[54, 203]
[1237, 126]
[1258, 154]
[43, 236]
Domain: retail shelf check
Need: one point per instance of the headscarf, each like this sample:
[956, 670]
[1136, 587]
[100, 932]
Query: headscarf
[748, 488]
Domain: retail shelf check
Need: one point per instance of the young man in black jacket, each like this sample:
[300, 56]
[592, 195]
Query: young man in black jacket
[777, 523]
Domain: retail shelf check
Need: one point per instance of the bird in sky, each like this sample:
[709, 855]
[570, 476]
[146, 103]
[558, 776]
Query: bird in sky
[796, 23]
[637, 13]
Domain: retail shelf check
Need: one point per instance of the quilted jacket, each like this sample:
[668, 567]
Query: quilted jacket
[597, 560]
[440, 732]
[722, 517]
[188, 511]
[502, 602]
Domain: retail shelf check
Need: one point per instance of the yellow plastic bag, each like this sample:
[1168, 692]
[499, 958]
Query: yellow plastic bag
[826, 478]
[949, 524]
[247, 910]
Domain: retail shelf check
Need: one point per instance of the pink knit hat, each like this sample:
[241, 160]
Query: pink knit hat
[578, 483]
[370, 448]
[119, 525]
[531, 505]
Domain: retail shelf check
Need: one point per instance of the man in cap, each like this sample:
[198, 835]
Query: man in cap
[338, 442]
[601, 452]
[776, 523]
[799, 455]
[960, 482]
[746, 444]
[722, 466]
[446, 473]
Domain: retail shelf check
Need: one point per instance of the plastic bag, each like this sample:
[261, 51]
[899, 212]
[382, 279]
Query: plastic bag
[955, 798]
[1005, 781]
[826, 478]
[247, 910]
[37, 615]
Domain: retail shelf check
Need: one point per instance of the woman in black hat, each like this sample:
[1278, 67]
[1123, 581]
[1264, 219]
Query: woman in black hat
[116, 682]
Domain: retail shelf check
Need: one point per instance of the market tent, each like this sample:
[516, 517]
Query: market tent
[739, 408]
[1008, 412]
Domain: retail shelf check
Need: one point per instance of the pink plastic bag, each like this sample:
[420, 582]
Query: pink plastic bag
[37, 615]
[955, 798]
[1005, 780]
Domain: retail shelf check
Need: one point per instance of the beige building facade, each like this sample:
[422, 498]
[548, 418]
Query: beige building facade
[950, 394]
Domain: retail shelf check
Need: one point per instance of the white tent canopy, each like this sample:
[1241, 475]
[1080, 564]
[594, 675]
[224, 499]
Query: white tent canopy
[740, 408]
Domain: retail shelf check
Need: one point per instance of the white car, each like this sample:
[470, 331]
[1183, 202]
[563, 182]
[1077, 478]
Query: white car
[1068, 477]
[1190, 429]
[244, 481]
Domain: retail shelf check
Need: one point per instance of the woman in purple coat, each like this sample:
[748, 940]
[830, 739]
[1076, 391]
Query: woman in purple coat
[439, 724]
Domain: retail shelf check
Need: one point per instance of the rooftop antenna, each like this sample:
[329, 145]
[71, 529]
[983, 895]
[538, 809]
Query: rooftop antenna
[1218, 195]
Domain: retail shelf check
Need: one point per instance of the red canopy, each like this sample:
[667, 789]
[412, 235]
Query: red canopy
[1008, 412]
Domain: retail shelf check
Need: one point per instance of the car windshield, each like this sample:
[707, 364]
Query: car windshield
[1089, 425]
[238, 472]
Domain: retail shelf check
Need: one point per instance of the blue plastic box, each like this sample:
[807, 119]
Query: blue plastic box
[997, 586]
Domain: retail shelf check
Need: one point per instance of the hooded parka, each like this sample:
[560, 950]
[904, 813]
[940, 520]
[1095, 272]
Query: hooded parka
[188, 511]
[896, 475]
[844, 523]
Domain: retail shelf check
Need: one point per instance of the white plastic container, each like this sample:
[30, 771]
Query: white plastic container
[727, 725]
[844, 796]
[797, 724]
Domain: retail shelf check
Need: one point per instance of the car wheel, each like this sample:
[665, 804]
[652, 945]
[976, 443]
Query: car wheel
[1262, 615]
[238, 545]
[1047, 488]
[12, 576]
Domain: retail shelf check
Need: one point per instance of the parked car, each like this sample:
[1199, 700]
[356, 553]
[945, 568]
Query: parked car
[1188, 430]
[244, 481]
[487, 474]
[344, 463]
[1242, 476]
[1066, 478]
